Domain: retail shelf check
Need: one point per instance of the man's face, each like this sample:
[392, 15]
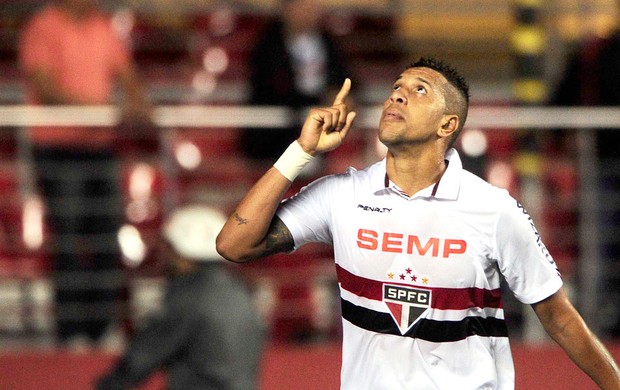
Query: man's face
[81, 6]
[414, 111]
[303, 15]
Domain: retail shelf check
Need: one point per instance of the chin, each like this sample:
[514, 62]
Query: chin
[387, 137]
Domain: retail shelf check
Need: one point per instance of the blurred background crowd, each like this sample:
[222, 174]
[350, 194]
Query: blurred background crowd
[151, 105]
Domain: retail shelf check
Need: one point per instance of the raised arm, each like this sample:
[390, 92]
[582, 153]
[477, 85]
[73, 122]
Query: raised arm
[252, 231]
[566, 326]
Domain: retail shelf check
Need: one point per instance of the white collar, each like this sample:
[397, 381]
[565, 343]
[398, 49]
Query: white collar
[446, 188]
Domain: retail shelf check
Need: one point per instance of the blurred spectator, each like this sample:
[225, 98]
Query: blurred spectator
[591, 79]
[295, 63]
[71, 55]
[208, 334]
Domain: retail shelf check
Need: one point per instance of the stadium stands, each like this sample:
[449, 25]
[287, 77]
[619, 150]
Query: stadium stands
[199, 57]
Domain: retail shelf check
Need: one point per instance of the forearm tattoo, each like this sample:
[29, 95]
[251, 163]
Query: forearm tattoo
[279, 238]
[239, 219]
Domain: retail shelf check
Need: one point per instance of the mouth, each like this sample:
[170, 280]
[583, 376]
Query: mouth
[392, 114]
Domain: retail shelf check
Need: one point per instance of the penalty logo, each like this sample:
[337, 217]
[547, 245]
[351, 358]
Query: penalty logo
[406, 304]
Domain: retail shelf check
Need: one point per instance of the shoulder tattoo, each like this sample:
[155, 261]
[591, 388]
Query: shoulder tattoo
[279, 238]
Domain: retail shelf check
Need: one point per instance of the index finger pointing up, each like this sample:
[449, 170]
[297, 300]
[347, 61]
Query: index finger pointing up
[344, 91]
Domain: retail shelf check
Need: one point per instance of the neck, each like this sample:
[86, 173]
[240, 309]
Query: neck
[294, 32]
[415, 168]
[77, 13]
[183, 266]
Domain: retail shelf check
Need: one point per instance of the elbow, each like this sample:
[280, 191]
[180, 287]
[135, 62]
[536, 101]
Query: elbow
[230, 250]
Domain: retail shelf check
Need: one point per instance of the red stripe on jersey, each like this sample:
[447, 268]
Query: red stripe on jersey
[442, 298]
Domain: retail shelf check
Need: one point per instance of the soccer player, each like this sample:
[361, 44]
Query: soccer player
[419, 244]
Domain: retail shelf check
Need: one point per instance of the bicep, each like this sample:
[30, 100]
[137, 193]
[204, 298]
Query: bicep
[556, 313]
[278, 239]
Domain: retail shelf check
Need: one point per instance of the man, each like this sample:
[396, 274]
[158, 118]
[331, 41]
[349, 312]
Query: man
[590, 79]
[71, 55]
[207, 334]
[295, 63]
[419, 245]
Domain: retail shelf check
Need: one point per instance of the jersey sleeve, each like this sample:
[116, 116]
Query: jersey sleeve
[525, 262]
[307, 213]
[36, 46]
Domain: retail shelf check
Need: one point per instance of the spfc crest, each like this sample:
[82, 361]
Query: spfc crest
[406, 304]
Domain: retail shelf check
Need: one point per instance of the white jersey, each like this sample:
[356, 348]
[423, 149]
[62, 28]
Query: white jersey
[419, 276]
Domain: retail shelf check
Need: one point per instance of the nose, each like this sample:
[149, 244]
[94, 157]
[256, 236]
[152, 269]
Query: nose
[398, 97]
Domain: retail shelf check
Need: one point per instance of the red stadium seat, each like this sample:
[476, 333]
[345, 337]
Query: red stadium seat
[294, 279]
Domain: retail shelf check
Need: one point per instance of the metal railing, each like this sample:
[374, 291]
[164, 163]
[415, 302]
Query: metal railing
[590, 272]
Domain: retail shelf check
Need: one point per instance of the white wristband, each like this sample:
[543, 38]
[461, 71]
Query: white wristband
[292, 161]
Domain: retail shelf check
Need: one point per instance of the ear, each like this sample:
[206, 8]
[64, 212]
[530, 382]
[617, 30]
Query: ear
[449, 125]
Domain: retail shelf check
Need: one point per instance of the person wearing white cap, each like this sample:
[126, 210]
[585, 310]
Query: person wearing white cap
[208, 334]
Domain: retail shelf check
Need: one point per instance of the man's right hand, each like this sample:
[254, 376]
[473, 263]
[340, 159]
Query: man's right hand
[325, 128]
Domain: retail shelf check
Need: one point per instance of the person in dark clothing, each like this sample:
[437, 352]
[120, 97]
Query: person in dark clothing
[590, 79]
[207, 334]
[295, 63]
